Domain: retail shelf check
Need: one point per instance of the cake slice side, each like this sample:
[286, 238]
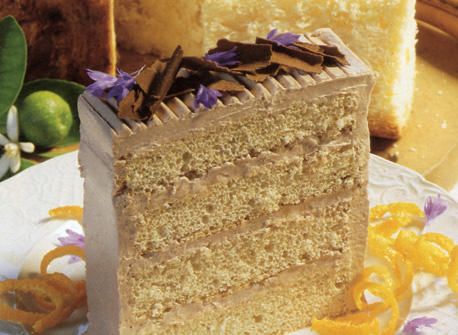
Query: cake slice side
[99, 221]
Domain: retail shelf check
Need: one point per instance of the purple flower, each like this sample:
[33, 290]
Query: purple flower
[106, 86]
[72, 238]
[412, 327]
[282, 39]
[206, 96]
[102, 82]
[434, 207]
[224, 58]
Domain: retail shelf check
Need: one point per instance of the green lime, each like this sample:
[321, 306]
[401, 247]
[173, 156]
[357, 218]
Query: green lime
[45, 118]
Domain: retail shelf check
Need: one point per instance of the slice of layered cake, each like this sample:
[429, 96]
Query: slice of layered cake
[226, 194]
[383, 32]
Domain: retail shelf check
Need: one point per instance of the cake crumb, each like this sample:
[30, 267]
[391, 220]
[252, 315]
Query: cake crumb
[444, 124]
[440, 92]
[413, 149]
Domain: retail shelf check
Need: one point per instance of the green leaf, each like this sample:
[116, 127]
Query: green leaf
[26, 163]
[67, 90]
[13, 62]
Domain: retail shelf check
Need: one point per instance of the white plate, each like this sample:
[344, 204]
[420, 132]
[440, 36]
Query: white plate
[26, 235]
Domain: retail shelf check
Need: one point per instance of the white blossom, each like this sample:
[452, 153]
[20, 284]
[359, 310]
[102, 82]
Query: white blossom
[12, 148]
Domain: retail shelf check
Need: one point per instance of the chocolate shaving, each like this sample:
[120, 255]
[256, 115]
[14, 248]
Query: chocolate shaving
[271, 70]
[294, 57]
[251, 56]
[160, 87]
[227, 86]
[331, 54]
[184, 85]
[153, 84]
[201, 64]
[314, 48]
[129, 107]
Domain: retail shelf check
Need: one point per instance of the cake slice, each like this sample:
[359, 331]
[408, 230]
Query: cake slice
[249, 217]
[383, 33]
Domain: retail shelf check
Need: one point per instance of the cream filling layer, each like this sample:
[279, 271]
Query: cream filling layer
[179, 315]
[268, 220]
[236, 170]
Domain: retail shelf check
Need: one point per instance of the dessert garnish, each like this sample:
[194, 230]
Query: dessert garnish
[11, 157]
[72, 238]
[140, 94]
[434, 207]
[206, 96]
[153, 85]
[67, 213]
[292, 57]
[223, 58]
[54, 296]
[414, 326]
[107, 86]
[403, 252]
[283, 38]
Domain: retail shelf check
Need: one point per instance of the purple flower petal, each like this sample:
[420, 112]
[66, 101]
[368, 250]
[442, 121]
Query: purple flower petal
[100, 76]
[72, 238]
[106, 86]
[118, 92]
[272, 33]
[206, 96]
[285, 39]
[413, 326]
[434, 207]
[224, 58]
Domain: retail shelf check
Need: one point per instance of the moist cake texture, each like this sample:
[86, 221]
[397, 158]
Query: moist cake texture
[247, 218]
[381, 31]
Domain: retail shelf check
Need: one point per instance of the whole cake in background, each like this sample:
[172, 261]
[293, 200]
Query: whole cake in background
[227, 193]
[65, 37]
[382, 31]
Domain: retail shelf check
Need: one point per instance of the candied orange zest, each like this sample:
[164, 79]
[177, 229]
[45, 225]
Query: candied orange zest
[41, 288]
[452, 275]
[364, 280]
[402, 211]
[444, 242]
[381, 246]
[54, 296]
[425, 255]
[387, 227]
[404, 279]
[390, 301]
[403, 254]
[333, 327]
[20, 316]
[60, 252]
[67, 213]
[57, 294]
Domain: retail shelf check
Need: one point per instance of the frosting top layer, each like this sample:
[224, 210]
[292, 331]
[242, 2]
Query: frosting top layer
[233, 67]
[183, 105]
